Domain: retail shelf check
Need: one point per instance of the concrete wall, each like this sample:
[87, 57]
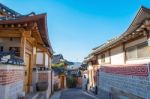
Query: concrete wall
[11, 81]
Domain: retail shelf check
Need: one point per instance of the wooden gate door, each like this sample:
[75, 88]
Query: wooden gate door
[62, 82]
[27, 72]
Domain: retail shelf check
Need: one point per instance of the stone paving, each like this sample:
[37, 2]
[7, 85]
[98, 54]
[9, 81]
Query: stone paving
[56, 95]
[76, 94]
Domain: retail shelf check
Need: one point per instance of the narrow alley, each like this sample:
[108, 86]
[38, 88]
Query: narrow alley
[73, 93]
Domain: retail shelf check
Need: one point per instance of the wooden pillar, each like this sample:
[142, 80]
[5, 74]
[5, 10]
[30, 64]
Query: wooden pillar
[34, 56]
[44, 59]
[109, 52]
[22, 47]
[125, 54]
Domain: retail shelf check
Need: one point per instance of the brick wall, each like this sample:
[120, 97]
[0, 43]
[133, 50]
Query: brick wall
[132, 82]
[11, 81]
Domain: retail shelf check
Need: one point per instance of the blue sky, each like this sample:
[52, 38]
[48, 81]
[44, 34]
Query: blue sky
[77, 26]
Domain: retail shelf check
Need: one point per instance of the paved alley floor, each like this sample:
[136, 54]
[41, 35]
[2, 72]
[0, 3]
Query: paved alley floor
[56, 95]
[75, 94]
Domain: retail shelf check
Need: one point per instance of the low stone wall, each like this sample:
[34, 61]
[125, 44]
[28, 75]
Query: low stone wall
[11, 81]
[124, 82]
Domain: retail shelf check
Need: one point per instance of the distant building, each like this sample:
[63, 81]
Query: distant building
[73, 70]
[57, 59]
[59, 65]
[119, 68]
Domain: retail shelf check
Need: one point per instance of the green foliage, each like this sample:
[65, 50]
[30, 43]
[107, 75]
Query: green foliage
[71, 82]
[58, 65]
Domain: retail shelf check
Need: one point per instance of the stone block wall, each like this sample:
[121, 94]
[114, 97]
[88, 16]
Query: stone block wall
[11, 81]
[129, 82]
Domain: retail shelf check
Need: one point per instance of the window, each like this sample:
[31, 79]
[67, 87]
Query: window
[1, 48]
[131, 52]
[138, 51]
[103, 58]
[143, 50]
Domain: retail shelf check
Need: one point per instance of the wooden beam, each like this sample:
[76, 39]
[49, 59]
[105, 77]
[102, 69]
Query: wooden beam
[10, 33]
[44, 49]
[22, 47]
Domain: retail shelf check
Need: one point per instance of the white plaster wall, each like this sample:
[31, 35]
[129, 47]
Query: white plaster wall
[117, 55]
[39, 58]
[6, 43]
[99, 59]
[46, 60]
[138, 61]
[107, 57]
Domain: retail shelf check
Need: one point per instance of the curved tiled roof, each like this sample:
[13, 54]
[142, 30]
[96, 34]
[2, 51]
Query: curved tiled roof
[142, 15]
[41, 20]
[4, 8]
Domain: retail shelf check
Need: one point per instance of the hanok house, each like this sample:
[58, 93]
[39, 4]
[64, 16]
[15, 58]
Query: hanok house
[124, 62]
[28, 36]
[59, 65]
[73, 71]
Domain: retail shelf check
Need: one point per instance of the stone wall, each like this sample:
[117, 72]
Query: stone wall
[129, 82]
[11, 81]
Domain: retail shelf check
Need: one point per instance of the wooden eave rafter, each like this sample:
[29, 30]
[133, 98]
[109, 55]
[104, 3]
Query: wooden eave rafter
[43, 49]
[28, 30]
[41, 24]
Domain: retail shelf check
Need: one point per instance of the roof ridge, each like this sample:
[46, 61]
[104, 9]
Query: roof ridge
[8, 9]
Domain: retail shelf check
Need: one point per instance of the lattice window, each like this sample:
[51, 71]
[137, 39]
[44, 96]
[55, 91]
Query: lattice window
[138, 51]
[103, 58]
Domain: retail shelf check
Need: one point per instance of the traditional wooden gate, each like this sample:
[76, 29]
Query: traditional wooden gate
[28, 67]
[27, 70]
